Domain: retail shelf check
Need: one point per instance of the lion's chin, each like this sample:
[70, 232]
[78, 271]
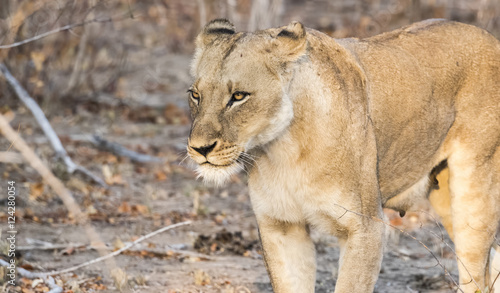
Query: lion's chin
[217, 175]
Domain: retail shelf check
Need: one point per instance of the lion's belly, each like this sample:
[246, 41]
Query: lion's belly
[411, 117]
[407, 156]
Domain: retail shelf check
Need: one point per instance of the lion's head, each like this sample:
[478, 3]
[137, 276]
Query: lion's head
[239, 98]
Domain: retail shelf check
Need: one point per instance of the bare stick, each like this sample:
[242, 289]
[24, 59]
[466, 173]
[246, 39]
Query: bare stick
[30, 275]
[46, 127]
[447, 244]
[55, 31]
[73, 80]
[117, 252]
[51, 247]
[492, 287]
[120, 150]
[163, 250]
[54, 183]
[203, 12]
[11, 157]
[75, 74]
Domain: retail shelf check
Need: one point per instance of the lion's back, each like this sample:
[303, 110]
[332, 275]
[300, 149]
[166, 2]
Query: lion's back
[422, 77]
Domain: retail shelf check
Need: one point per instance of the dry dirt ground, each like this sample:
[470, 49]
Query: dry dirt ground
[218, 252]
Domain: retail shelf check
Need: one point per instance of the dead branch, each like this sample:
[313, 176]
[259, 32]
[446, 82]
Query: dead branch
[54, 183]
[203, 12]
[122, 151]
[117, 252]
[82, 45]
[186, 253]
[30, 275]
[50, 247]
[11, 158]
[46, 127]
[75, 74]
[265, 13]
[55, 31]
[492, 287]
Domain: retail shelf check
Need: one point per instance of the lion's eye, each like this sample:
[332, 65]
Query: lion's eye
[195, 96]
[237, 97]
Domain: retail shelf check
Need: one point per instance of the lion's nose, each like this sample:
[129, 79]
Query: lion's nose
[205, 149]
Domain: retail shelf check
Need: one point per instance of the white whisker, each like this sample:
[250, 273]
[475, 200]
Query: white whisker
[242, 167]
[185, 157]
[246, 161]
[249, 159]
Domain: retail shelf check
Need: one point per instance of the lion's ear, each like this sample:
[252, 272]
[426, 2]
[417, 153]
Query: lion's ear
[292, 41]
[214, 29]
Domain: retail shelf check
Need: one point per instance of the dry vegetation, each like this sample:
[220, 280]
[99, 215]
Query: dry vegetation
[123, 76]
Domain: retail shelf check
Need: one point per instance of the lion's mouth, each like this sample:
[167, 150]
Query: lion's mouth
[218, 165]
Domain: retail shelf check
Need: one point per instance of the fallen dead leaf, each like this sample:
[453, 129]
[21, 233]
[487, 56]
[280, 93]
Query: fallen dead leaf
[36, 282]
[76, 183]
[106, 172]
[9, 115]
[175, 115]
[38, 58]
[68, 251]
[120, 279]
[118, 244]
[124, 208]
[201, 278]
[36, 190]
[160, 176]
[140, 209]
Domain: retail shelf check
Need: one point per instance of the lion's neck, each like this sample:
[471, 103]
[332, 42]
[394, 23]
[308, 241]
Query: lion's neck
[329, 112]
[313, 127]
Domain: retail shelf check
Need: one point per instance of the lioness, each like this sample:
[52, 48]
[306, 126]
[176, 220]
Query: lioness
[333, 130]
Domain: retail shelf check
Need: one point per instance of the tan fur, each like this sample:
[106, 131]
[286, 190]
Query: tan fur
[331, 131]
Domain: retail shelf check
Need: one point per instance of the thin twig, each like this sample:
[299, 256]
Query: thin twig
[11, 158]
[55, 31]
[117, 252]
[75, 74]
[459, 260]
[494, 281]
[12, 143]
[46, 127]
[446, 272]
[186, 253]
[202, 12]
[31, 275]
[51, 247]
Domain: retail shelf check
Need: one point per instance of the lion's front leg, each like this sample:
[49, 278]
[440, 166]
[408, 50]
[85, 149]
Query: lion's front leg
[289, 254]
[361, 258]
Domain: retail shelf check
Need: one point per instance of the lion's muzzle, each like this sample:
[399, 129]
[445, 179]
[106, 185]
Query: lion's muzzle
[204, 150]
